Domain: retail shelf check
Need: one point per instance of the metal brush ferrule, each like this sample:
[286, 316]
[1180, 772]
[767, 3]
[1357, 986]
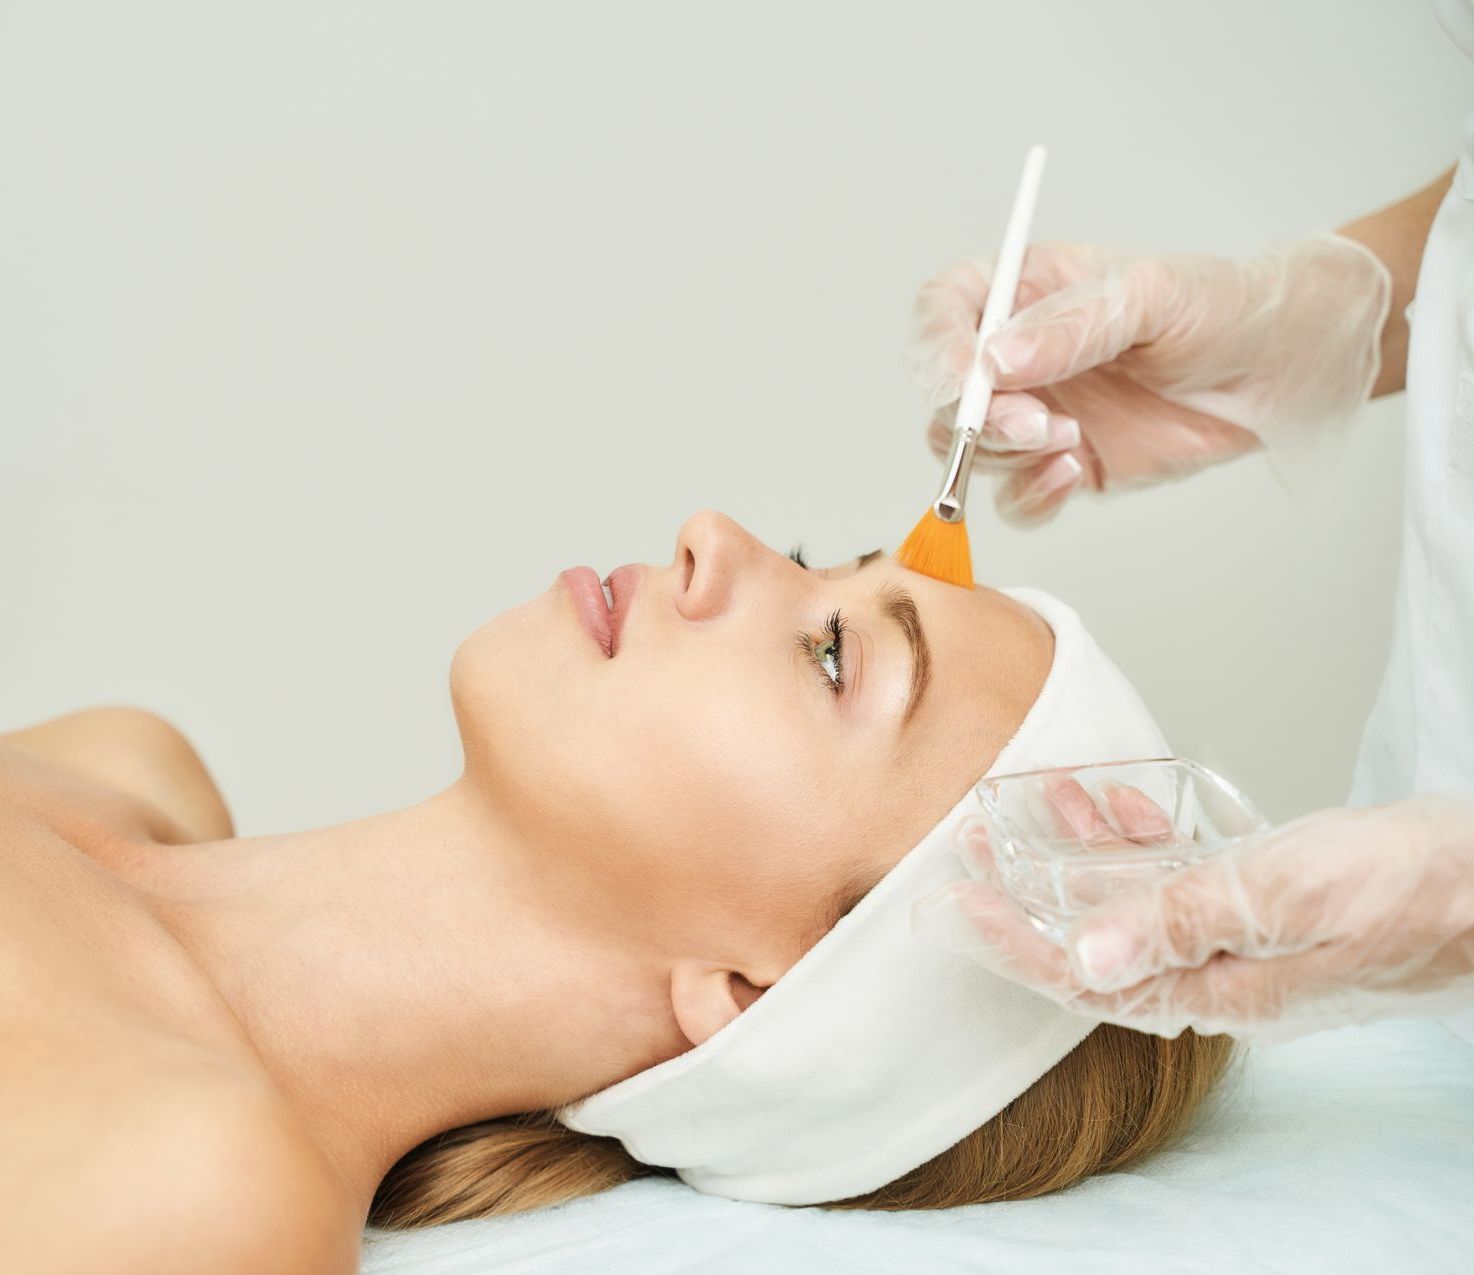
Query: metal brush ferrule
[950, 503]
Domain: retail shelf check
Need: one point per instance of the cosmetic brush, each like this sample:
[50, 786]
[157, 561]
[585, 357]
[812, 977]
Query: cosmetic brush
[937, 545]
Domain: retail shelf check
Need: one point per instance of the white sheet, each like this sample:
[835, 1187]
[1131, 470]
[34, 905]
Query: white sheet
[1350, 1151]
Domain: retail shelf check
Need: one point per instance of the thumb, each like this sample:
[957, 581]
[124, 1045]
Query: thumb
[1180, 922]
[1069, 331]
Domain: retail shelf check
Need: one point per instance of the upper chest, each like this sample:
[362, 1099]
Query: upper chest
[105, 1019]
[94, 992]
[114, 1047]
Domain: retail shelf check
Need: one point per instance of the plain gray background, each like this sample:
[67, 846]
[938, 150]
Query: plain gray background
[310, 313]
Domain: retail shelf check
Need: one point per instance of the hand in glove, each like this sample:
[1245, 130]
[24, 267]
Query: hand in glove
[1118, 371]
[1344, 916]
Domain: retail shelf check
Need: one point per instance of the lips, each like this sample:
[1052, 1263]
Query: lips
[619, 585]
[588, 600]
[601, 605]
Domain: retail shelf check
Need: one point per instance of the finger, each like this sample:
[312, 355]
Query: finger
[1138, 816]
[1242, 996]
[1076, 815]
[1063, 433]
[944, 329]
[1265, 1000]
[1077, 328]
[1183, 920]
[1019, 429]
[968, 917]
[1020, 423]
[1148, 1007]
[1036, 494]
[1236, 992]
[976, 852]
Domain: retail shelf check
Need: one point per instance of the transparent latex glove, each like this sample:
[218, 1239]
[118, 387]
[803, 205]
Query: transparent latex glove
[1119, 371]
[1344, 916]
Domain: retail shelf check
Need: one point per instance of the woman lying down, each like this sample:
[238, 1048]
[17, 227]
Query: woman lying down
[660, 923]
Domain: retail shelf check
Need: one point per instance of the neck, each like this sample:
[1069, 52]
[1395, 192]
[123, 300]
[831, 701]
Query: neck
[410, 973]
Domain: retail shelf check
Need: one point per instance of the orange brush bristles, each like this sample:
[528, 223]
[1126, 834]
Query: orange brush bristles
[938, 549]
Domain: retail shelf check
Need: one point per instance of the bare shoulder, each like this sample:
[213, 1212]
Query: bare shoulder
[282, 1207]
[210, 1176]
[136, 752]
[253, 1190]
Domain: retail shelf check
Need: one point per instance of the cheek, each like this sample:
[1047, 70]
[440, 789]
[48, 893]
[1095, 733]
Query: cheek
[707, 803]
[710, 776]
[695, 792]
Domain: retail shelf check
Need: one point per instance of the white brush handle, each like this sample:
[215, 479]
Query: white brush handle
[977, 392]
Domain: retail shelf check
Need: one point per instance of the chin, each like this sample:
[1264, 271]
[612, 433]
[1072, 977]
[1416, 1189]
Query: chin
[516, 684]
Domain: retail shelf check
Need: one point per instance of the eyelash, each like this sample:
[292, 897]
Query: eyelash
[836, 628]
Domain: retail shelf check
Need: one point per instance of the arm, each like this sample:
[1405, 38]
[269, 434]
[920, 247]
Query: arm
[1396, 236]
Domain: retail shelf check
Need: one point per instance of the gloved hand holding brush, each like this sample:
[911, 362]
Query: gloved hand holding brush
[1118, 370]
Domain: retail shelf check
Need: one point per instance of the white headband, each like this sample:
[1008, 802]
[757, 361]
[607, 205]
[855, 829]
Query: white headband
[877, 1051]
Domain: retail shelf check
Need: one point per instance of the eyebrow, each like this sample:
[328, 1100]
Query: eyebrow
[898, 606]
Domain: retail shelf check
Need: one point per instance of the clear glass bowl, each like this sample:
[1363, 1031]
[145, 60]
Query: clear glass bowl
[1066, 839]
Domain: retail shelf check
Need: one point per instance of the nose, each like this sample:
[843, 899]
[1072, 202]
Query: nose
[712, 555]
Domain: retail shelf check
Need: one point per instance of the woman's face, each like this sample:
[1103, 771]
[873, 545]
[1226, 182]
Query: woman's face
[760, 745]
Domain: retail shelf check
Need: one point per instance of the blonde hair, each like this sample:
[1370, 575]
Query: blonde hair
[1114, 1098]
